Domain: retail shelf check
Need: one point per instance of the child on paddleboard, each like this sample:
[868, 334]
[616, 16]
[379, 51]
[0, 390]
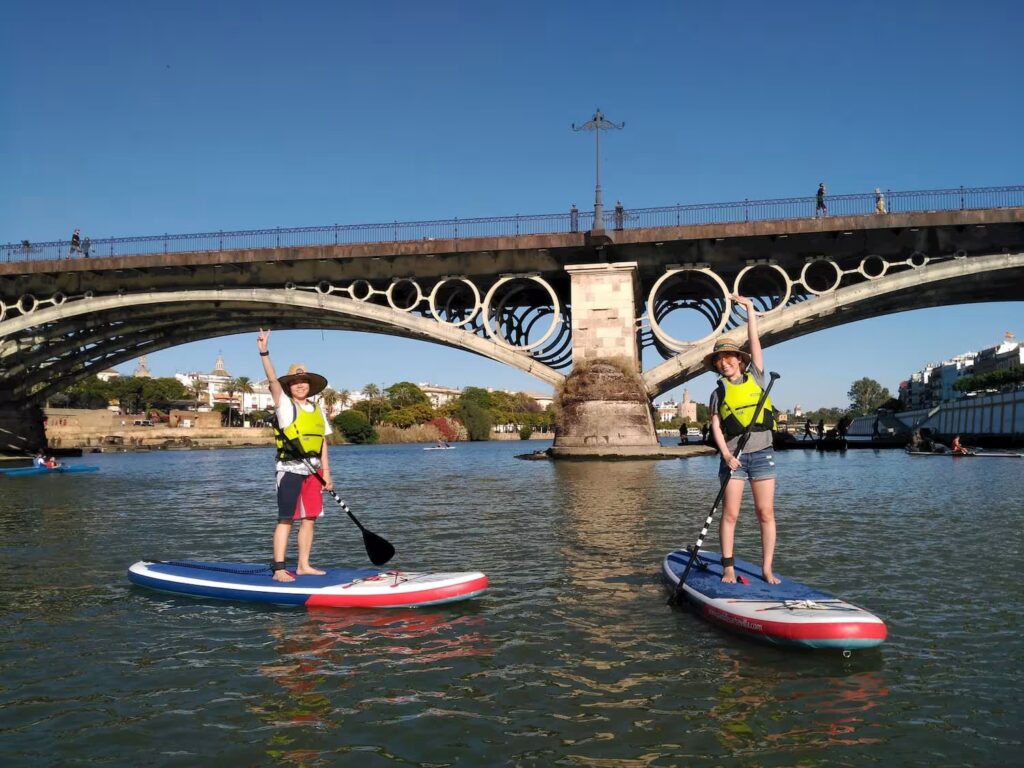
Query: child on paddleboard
[301, 442]
[731, 409]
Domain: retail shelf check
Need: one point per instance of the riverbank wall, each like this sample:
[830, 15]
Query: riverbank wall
[995, 420]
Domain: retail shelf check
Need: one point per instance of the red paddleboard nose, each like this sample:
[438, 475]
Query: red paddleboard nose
[742, 580]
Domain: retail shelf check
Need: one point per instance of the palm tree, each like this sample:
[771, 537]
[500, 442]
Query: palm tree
[370, 391]
[243, 385]
[330, 399]
[344, 398]
[196, 390]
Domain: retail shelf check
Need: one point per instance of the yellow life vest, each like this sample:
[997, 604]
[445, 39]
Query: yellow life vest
[736, 404]
[306, 432]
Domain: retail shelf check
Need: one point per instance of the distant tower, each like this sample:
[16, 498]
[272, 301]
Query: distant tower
[798, 410]
[218, 368]
[142, 370]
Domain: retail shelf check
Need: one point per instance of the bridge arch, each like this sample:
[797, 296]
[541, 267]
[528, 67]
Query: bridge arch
[996, 277]
[82, 335]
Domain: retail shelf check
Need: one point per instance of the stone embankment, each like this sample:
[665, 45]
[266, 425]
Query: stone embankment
[103, 430]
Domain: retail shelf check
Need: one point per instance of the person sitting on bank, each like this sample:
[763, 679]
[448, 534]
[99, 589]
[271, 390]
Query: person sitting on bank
[957, 448]
[739, 387]
[301, 439]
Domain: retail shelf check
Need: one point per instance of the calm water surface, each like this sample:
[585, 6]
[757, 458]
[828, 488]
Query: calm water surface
[571, 658]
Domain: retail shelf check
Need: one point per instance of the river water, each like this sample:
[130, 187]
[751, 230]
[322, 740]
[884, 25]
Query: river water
[572, 658]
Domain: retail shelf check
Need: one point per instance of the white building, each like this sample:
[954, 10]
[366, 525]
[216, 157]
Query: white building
[439, 395]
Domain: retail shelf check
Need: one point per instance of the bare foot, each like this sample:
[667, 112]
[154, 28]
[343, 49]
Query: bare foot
[770, 578]
[283, 575]
[728, 575]
[310, 571]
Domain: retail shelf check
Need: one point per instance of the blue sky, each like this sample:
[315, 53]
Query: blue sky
[135, 118]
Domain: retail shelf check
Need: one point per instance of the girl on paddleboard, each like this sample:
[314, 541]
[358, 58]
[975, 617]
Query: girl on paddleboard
[302, 434]
[732, 409]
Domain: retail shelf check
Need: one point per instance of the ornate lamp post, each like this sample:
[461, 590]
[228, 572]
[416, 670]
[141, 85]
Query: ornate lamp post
[597, 124]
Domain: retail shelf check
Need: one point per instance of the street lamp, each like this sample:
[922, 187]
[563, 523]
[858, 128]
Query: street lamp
[597, 124]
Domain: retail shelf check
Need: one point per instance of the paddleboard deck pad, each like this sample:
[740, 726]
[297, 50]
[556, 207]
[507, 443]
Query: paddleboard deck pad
[789, 613]
[339, 588]
[62, 470]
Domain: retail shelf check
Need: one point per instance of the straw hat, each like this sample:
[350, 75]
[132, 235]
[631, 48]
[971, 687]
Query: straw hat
[725, 344]
[317, 383]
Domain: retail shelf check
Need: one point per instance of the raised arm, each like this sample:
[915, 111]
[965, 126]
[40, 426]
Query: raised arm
[262, 343]
[756, 355]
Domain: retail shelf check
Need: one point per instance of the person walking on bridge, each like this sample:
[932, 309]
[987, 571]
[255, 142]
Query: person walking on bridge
[879, 201]
[574, 218]
[820, 208]
[76, 244]
[301, 447]
[732, 406]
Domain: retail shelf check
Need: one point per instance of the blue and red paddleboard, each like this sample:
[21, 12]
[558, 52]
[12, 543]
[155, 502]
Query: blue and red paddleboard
[789, 613]
[339, 588]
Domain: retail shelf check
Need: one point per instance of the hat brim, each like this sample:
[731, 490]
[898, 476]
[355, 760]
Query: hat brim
[317, 383]
[709, 360]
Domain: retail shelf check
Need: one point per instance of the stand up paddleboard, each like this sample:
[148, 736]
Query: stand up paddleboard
[339, 588]
[441, 448]
[789, 613]
[23, 471]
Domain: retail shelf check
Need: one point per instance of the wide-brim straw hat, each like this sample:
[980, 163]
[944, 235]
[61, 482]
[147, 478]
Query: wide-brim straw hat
[725, 345]
[317, 383]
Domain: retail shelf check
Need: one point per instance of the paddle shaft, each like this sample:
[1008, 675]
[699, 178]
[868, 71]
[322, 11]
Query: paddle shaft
[740, 445]
[379, 549]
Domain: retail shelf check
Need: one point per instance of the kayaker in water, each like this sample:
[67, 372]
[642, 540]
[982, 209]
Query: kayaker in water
[732, 409]
[305, 425]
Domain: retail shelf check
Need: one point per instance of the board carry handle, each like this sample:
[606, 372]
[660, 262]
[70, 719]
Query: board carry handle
[678, 594]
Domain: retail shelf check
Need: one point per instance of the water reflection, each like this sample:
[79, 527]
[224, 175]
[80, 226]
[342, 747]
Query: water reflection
[324, 654]
[761, 704]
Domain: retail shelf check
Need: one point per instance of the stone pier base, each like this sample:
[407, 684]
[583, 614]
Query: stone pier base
[21, 429]
[603, 410]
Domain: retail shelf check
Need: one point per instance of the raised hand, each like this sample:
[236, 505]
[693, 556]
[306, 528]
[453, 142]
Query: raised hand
[263, 340]
[743, 301]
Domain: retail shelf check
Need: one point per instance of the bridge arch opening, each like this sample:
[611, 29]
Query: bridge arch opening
[685, 307]
[513, 308]
[821, 276]
[454, 301]
[767, 284]
[404, 294]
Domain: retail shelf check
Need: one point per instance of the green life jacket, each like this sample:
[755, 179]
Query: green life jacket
[305, 435]
[736, 404]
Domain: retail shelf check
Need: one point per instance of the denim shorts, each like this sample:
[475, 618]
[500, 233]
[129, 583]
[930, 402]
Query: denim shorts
[759, 465]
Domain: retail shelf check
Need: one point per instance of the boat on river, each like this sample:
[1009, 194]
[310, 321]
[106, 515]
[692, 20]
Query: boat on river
[790, 614]
[337, 588]
[973, 454]
[64, 469]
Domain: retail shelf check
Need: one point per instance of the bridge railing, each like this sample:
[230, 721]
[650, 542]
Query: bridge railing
[960, 198]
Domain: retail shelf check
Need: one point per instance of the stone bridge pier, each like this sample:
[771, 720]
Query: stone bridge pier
[603, 406]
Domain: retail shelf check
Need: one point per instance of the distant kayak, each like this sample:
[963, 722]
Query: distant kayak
[972, 455]
[440, 448]
[338, 588]
[63, 470]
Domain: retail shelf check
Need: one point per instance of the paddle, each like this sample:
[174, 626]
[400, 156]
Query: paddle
[678, 594]
[379, 549]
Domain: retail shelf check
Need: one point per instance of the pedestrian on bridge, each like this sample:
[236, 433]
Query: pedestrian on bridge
[740, 386]
[76, 244]
[879, 201]
[820, 207]
[301, 450]
[86, 245]
[620, 214]
[574, 218]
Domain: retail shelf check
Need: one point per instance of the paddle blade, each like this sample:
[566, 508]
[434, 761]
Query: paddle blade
[379, 549]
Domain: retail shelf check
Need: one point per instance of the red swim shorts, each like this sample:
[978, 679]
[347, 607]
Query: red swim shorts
[299, 497]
